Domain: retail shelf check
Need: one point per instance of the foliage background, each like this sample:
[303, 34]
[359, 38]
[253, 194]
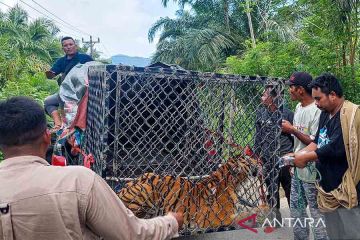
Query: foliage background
[264, 37]
[248, 37]
[252, 37]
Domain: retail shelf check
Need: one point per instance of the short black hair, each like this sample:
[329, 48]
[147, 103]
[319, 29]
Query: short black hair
[307, 89]
[22, 121]
[274, 89]
[327, 83]
[67, 38]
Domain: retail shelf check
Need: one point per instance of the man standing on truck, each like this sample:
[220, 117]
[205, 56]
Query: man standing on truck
[63, 66]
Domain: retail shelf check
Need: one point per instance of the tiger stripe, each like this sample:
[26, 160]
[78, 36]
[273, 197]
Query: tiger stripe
[207, 203]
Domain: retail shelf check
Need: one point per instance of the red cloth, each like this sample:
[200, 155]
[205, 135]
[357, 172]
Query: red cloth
[80, 118]
[58, 161]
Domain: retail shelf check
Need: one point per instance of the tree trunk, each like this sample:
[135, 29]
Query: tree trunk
[344, 54]
[354, 34]
[338, 62]
[226, 14]
[253, 42]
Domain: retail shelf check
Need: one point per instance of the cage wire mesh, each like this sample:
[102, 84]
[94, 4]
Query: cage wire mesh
[168, 139]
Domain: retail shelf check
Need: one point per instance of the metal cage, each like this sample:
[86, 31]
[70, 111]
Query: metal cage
[167, 130]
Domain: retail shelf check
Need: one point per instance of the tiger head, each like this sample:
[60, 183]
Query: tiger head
[236, 169]
[221, 198]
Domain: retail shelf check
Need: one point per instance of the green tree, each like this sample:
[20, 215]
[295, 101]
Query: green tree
[26, 46]
[200, 38]
[26, 50]
[35, 38]
[189, 42]
[313, 36]
[217, 28]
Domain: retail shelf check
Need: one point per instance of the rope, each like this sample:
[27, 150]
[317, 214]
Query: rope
[311, 170]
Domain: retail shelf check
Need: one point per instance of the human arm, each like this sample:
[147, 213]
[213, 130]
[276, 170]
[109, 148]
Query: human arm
[311, 125]
[55, 69]
[108, 217]
[306, 155]
[287, 127]
[309, 154]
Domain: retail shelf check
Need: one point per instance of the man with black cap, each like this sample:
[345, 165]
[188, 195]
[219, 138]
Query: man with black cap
[304, 128]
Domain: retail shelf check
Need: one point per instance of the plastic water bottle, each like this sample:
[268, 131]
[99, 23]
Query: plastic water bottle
[286, 161]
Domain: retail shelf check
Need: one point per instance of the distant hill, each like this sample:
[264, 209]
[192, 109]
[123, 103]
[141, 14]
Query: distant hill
[127, 60]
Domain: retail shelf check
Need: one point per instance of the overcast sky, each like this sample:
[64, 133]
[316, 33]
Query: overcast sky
[122, 25]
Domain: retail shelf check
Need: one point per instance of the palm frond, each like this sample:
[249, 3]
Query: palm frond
[17, 15]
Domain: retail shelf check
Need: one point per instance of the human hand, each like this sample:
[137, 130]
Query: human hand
[300, 160]
[287, 127]
[289, 155]
[179, 218]
[50, 74]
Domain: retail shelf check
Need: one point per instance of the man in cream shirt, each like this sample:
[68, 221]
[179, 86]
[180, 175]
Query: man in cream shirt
[39, 201]
[304, 128]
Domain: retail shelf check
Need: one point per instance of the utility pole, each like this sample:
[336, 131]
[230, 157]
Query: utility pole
[92, 43]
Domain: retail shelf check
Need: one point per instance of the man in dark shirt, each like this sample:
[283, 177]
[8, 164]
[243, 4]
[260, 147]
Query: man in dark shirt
[328, 150]
[268, 130]
[331, 153]
[63, 66]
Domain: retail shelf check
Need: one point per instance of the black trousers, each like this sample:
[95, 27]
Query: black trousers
[273, 182]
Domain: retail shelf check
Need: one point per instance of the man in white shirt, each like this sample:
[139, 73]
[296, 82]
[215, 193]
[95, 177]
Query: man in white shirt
[304, 128]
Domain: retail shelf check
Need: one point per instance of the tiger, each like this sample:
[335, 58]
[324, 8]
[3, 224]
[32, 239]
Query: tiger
[207, 203]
